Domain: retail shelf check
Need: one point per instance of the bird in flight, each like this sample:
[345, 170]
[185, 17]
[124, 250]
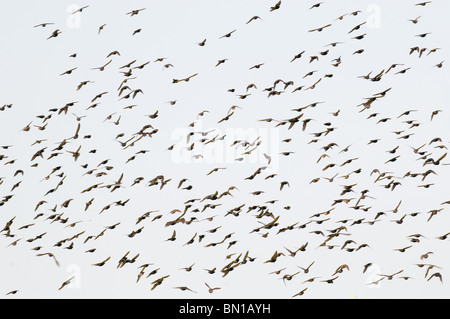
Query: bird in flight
[43, 25]
[80, 10]
[254, 119]
[135, 12]
[228, 35]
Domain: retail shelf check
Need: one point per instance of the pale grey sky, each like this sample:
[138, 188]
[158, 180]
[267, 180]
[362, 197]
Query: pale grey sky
[31, 66]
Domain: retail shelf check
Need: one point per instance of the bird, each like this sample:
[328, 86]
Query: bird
[102, 263]
[390, 277]
[415, 21]
[159, 281]
[331, 280]
[173, 237]
[80, 10]
[184, 288]
[435, 113]
[135, 12]
[51, 256]
[221, 62]
[66, 283]
[300, 293]
[316, 5]
[276, 6]
[102, 68]
[423, 4]
[211, 290]
[228, 35]
[320, 29]
[54, 34]
[43, 25]
[257, 66]
[423, 35]
[437, 275]
[440, 65]
[101, 28]
[253, 19]
[306, 270]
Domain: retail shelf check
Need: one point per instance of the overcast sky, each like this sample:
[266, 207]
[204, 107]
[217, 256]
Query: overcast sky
[31, 66]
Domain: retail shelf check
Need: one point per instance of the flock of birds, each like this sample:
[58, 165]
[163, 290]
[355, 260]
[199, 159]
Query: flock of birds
[211, 214]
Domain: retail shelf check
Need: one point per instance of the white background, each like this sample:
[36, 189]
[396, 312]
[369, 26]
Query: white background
[30, 67]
